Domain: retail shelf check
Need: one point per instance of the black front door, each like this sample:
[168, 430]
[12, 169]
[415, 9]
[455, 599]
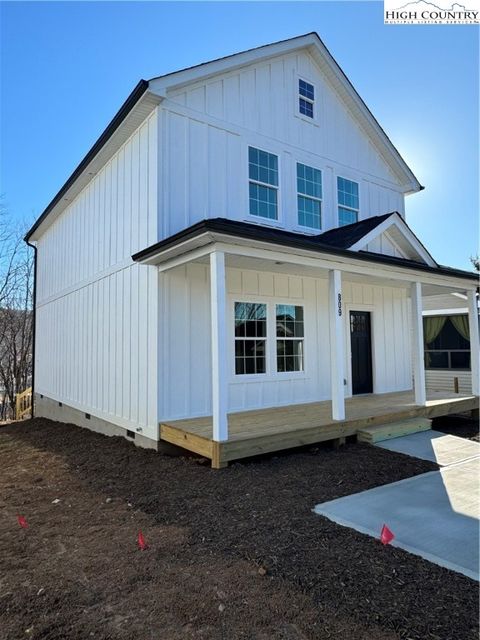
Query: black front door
[361, 339]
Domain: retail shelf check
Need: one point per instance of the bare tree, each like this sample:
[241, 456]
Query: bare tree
[10, 244]
[475, 260]
[16, 286]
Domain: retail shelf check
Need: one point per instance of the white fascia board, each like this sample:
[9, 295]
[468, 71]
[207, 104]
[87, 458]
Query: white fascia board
[178, 79]
[373, 129]
[200, 246]
[395, 220]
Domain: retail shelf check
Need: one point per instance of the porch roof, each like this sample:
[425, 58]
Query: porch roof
[221, 229]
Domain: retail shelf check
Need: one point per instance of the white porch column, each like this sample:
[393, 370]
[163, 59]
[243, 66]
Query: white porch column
[219, 346]
[418, 347]
[337, 346]
[474, 341]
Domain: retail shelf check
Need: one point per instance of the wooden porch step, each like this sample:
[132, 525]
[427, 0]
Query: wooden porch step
[374, 434]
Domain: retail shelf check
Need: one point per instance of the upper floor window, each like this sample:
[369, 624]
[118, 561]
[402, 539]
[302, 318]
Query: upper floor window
[306, 98]
[263, 183]
[309, 196]
[348, 201]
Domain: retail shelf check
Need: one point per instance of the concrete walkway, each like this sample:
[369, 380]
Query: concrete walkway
[434, 515]
[433, 445]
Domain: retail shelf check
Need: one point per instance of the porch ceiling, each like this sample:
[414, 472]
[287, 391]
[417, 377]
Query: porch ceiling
[235, 261]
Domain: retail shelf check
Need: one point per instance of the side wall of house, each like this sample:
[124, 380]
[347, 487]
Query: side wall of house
[207, 128]
[97, 321]
[185, 339]
[442, 380]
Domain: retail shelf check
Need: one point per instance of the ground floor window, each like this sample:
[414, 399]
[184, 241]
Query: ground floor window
[250, 337]
[447, 342]
[290, 335]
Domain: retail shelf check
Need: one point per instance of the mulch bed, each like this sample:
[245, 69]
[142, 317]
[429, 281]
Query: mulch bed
[233, 554]
[461, 426]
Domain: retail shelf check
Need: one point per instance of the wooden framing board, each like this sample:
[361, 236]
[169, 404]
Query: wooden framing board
[263, 431]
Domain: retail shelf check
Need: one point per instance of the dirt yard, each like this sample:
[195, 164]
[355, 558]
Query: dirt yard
[233, 554]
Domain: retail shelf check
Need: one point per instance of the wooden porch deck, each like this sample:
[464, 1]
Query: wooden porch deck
[266, 430]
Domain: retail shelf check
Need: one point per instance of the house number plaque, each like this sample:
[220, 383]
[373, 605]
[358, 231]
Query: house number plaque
[339, 304]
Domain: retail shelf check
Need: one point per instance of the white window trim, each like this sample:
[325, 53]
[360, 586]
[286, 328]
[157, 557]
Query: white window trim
[315, 101]
[271, 374]
[259, 219]
[259, 376]
[345, 176]
[298, 226]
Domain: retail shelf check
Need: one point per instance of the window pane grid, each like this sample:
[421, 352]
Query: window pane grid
[306, 98]
[290, 333]
[262, 166]
[263, 175]
[263, 201]
[306, 89]
[305, 107]
[250, 325]
[346, 216]
[309, 185]
[348, 201]
[289, 355]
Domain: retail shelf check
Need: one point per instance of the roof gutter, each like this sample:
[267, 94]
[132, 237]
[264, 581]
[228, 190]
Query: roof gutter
[117, 120]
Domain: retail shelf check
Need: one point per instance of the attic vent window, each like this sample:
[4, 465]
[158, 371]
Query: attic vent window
[306, 98]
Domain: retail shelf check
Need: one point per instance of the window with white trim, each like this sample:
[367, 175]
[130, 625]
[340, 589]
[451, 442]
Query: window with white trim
[309, 196]
[290, 337]
[306, 98]
[348, 201]
[250, 338]
[263, 183]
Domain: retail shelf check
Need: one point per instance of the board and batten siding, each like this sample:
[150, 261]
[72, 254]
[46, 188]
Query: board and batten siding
[386, 246]
[185, 369]
[97, 315]
[207, 128]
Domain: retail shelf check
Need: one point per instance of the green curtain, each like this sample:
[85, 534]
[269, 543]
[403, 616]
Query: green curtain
[432, 327]
[461, 325]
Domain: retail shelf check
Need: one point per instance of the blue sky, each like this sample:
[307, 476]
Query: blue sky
[66, 67]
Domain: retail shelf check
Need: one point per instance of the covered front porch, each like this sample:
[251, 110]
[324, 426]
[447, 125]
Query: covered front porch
[252, 433]
[233, 294]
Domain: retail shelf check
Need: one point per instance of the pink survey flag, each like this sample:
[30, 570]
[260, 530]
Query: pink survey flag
[141, 541]
[386, 536]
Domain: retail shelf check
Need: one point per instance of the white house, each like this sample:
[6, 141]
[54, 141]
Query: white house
[229, 268]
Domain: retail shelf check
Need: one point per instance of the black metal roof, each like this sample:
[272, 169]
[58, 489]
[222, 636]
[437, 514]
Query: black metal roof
[346, 236]
[280, 237]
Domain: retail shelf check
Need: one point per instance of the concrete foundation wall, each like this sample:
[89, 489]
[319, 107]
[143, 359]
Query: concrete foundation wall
[51, 409]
